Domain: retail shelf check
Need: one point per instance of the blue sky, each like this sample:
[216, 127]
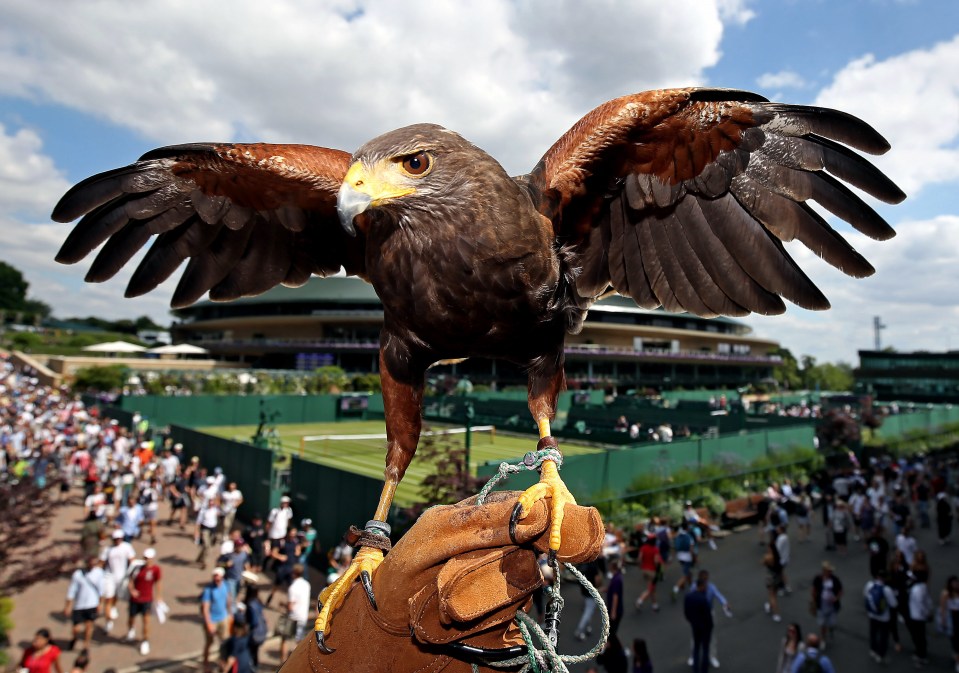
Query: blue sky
[85, 87]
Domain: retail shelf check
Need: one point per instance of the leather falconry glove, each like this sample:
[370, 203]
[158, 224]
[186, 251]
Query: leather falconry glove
[455, 579]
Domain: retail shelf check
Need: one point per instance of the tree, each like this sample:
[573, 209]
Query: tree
[13, 288]
[13, 294]
[103, 379]
[787, 372]
[449, 482]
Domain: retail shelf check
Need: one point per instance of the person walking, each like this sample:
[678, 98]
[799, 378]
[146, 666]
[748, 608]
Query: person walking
[591, 571]
[41, 656]
[792, 645]
[827, 599]
[284, 554]
[714, 596]
[651, 567]
[699, 614]
[84, 599]
[819, 661]
[948, 615]
[944, 516]
[920, 611]
[256, 618]
[783, 551]
[614, 595]
[297, 608]
[230, 501]
[881, 609]
[116, 559]
[216, 609]
[145, 586]
[278, 522]
[207, 523]
[236, 656]
[774, 581]
[685, 546]
[130, 518]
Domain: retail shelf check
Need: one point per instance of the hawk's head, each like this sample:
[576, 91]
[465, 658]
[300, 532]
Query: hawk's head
[419, 167]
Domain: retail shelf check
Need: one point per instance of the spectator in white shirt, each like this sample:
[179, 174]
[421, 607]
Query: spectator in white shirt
[298, 607]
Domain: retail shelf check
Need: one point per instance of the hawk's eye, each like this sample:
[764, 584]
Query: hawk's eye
[417, 164]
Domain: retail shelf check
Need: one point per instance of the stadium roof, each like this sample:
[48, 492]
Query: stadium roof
[350, 289]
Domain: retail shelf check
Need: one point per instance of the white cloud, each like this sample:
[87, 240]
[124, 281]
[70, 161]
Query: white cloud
[784, 79]
[913, 291]
[913, 100]
[509, 76]
[735, 11]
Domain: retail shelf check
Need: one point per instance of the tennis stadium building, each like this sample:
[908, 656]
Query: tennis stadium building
[337, 321]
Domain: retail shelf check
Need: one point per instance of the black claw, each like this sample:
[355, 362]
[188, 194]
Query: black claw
[551, 557]
[368, 587]
[513, 519]
[321, 643]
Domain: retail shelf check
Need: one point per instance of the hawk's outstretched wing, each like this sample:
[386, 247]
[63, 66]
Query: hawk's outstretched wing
[249, 217]
[681, 198]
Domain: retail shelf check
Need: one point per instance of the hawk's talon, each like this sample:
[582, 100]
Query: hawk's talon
[551, 557]
[368, 587]
[549, 486]
[321, 643]
[364, 564]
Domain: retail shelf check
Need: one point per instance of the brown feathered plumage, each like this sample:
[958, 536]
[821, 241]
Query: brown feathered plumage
[677, 198]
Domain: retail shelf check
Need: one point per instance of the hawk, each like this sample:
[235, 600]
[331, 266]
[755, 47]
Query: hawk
[678, 198]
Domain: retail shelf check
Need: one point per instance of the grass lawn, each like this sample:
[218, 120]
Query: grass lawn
[367, 457]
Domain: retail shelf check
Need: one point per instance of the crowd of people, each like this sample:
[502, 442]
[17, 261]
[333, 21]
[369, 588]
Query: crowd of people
[130, 481]
[876, 508]
[136, 481]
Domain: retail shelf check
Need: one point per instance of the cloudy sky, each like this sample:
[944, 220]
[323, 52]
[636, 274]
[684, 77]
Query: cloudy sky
[89, 86]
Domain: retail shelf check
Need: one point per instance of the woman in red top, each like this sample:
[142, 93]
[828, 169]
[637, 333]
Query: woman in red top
[41, 655]
[651, 564]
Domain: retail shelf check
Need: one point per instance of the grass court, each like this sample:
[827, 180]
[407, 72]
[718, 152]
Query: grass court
[367, 456]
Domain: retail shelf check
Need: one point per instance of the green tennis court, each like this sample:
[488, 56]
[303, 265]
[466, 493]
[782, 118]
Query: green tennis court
[367, 456]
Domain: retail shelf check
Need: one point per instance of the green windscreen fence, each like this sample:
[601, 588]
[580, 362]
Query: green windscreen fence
[332, 498]
[249, 466]
[613, 471]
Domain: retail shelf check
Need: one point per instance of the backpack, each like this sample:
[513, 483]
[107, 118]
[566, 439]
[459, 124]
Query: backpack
[811, 665]
[146, 497]
[876, 603]
[683, 542]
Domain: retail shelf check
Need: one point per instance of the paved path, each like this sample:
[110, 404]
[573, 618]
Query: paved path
[750, 640]
[747, 642]
[179, 640]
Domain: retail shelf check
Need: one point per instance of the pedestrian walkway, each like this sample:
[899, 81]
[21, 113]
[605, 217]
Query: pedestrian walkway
[174, 646]
[749, 641]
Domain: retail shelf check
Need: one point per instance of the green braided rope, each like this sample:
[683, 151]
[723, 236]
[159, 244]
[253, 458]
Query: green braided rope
[531, 461]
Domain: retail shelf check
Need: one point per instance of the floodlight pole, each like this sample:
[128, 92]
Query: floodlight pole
[877, 327]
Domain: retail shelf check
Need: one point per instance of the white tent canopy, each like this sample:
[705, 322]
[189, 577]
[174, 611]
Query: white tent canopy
[179, 349]
[114, 347]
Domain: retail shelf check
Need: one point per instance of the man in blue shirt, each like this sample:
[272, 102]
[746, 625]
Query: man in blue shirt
[812, 652]
[130, 518]
[698, 611]
[712, 595]
[216, 607]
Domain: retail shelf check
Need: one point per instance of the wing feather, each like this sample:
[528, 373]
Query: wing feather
[711, 182]
[248, 217]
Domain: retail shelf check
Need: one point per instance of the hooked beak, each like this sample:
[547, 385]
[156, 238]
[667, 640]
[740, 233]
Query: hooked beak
[365, 188]
[349, 203]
